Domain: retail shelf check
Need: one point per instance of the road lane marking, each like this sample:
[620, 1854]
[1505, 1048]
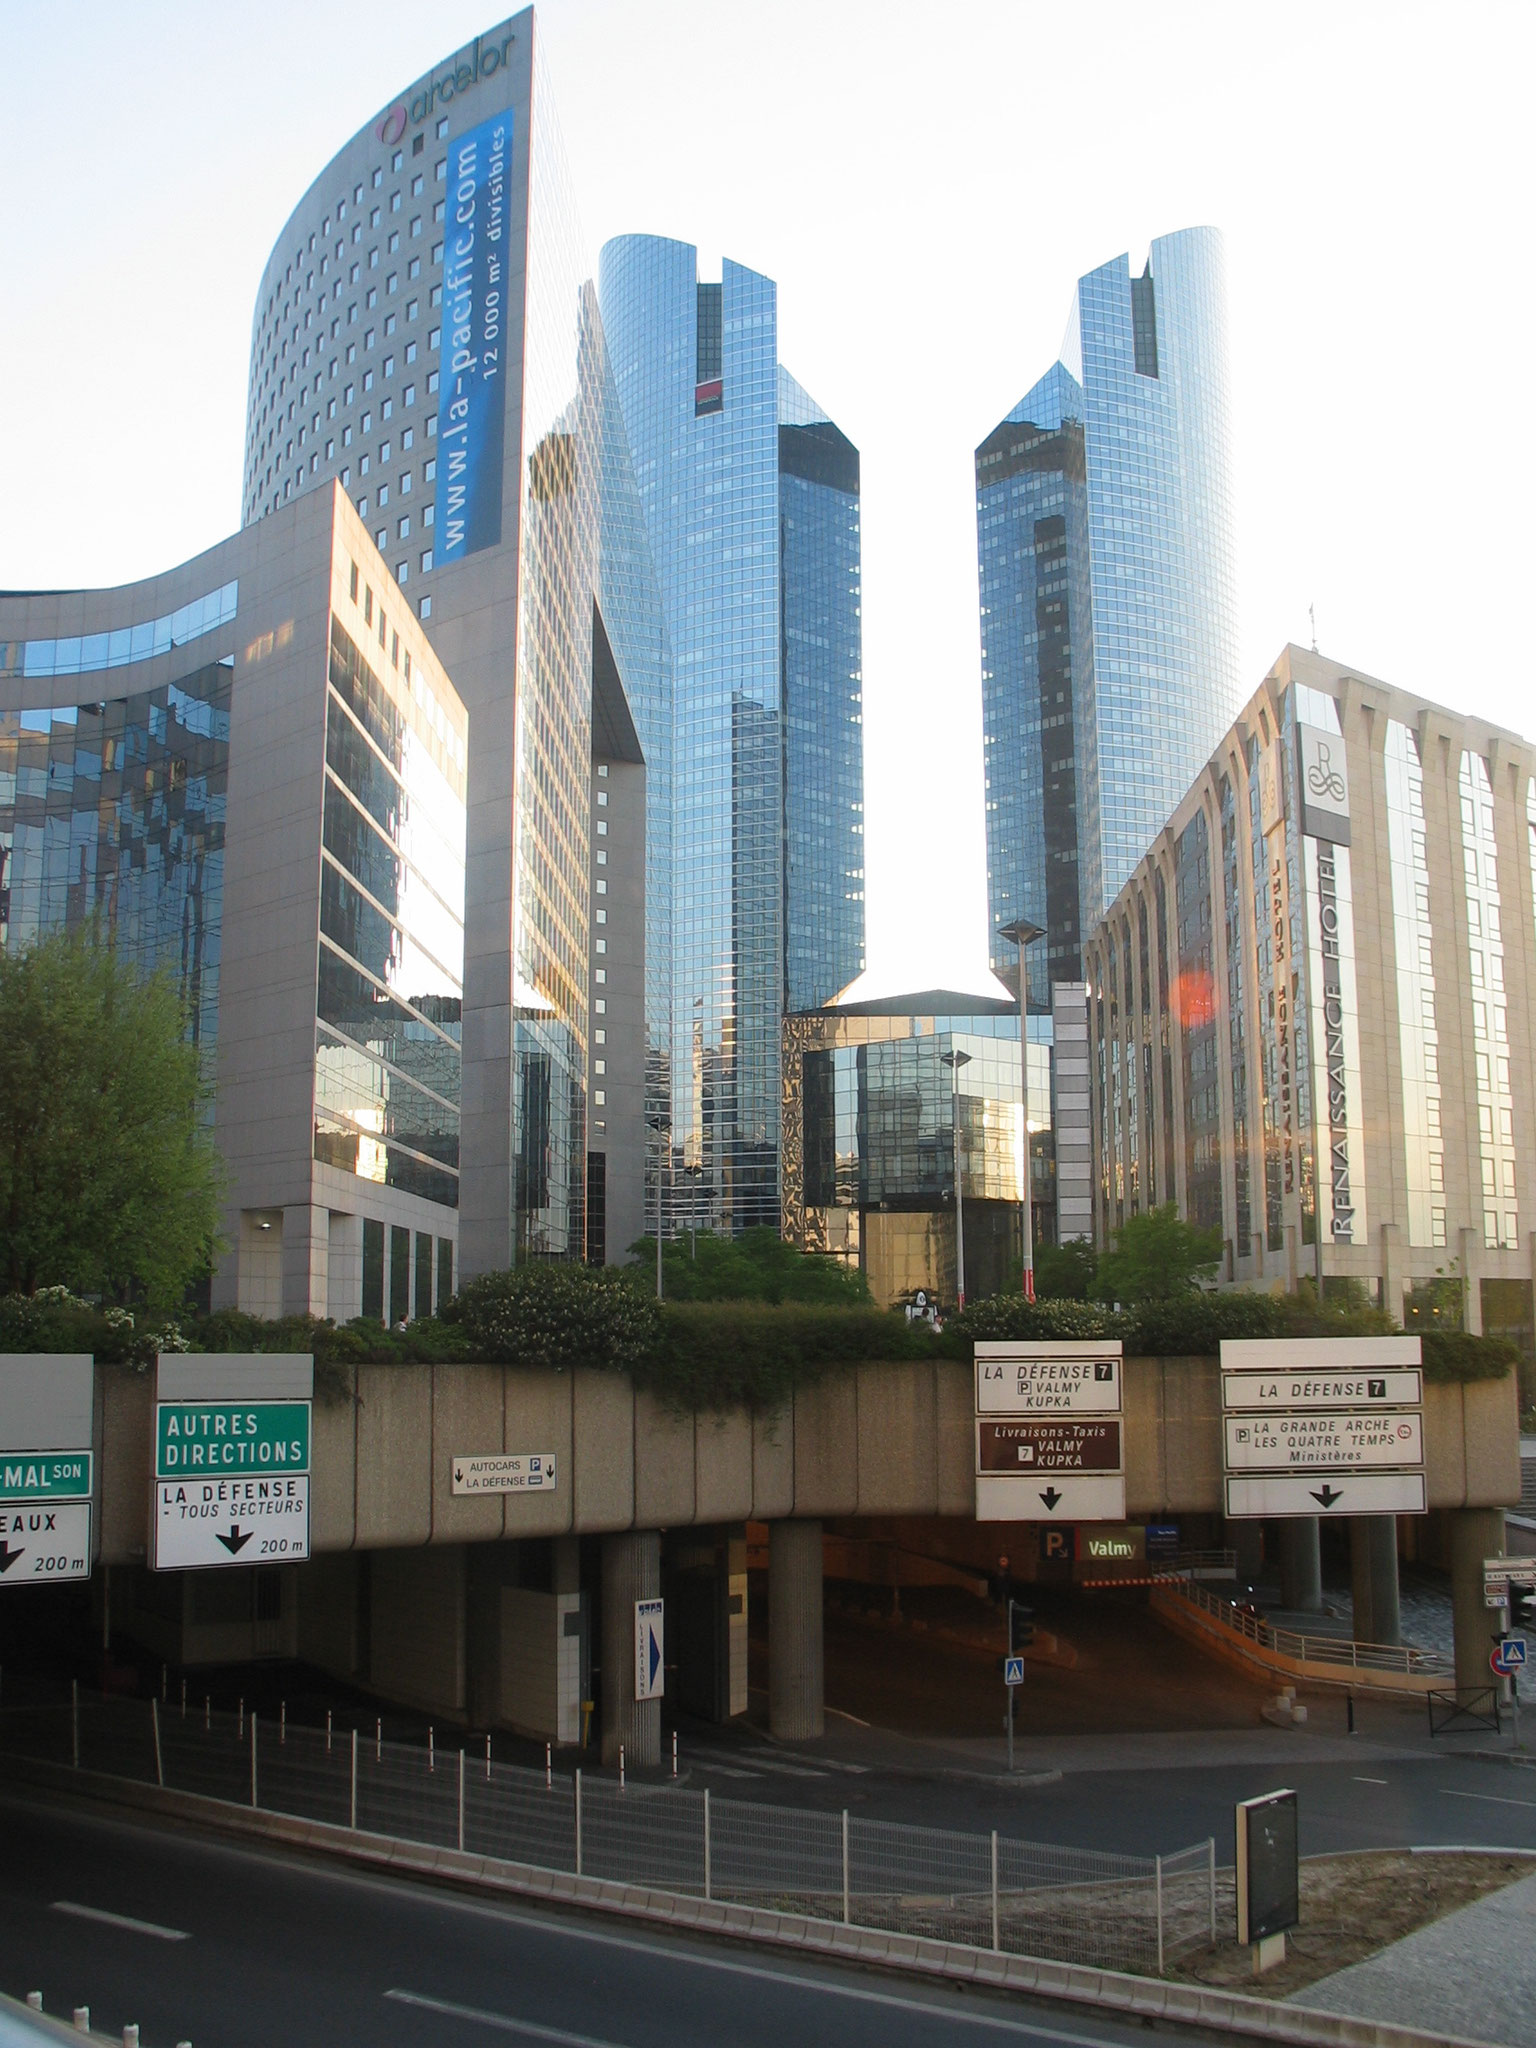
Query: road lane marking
[669, 1944]
[120, 1920]
[1370, 1781]
[502, 2021]
[1487, 1798]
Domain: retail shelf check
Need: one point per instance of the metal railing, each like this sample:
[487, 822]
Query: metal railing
[1304, 1648]
[987, 1891]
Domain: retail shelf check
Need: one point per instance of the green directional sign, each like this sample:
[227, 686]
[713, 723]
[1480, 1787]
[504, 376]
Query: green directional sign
[45, 1475]
[228, 1439]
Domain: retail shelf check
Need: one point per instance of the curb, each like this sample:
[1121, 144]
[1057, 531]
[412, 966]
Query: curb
[1146, 1998]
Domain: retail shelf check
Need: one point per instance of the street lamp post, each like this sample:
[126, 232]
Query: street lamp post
[955, 1061]
[1023, 934]
[661, 1124]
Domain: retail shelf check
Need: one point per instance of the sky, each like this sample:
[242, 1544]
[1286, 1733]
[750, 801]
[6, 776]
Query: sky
[926, 184]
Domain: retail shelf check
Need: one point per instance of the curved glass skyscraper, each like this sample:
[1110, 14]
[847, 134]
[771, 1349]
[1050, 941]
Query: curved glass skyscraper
[750, 496]
[1108, 606]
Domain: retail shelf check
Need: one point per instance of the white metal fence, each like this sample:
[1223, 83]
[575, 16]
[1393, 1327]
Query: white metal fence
[1306, 1649]
[989, 1891]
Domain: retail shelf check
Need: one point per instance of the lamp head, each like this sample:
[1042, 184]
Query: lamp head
[1021, 932]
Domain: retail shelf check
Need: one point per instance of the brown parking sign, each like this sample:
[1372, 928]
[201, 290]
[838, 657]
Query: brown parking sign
[1057, 1445]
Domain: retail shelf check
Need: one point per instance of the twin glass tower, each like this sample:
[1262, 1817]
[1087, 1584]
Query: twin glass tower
[750, 499]
[1108, 607]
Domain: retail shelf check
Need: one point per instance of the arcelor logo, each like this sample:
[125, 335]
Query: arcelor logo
[478, 62]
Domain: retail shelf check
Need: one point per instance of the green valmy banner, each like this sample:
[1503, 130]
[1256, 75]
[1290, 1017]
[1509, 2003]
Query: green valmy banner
[196, 1439]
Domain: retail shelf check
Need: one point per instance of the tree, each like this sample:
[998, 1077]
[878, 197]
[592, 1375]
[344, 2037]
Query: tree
[1065, 1272]
[109, 1179]
[756, 1266]
[1157, 1257]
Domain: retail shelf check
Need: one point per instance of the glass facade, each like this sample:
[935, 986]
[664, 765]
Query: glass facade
[390, 977]
[1417, 1022]
[1108, 609]
[749, 497]
[114, 812]
[119, 648]
[1490, 1006]
[869, 1154]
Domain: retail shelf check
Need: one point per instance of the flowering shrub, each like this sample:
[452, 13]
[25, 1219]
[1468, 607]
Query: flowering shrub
[557, 1317]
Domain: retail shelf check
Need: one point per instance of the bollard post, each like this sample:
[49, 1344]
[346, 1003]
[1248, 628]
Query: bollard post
[1349, 1703]
[352, 1809]
[254, 1800]
[282, 1723]
[74, 1721]
[621, 1767]
[131, 2036]
[578, 1820]
[487, 1759]
[327, 1731]
[674, 1753]
[847, 1921]
[1210, 1855]
[378, 1740]
[708, 1874]
[240, 1721]
[82, 2019]
[547, 1762]
[431, 1751]
[461, 1799]
[996, 1925]
[1159, 1867]
[154, 1716]
[207, 1712]
[35, 2000]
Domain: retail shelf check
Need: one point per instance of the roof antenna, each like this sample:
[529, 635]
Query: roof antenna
[1312, 615]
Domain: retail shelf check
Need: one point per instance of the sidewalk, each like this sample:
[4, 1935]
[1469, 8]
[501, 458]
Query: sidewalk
[1472, 1974]
[851, 1743]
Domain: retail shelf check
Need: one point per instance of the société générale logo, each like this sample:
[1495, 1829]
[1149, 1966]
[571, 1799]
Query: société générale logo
[479, 62]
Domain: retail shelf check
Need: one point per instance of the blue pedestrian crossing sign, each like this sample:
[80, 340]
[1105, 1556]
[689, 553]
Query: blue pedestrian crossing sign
[1013, 1671]
[1508, 1657]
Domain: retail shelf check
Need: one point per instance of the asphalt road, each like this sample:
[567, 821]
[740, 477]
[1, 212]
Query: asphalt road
[198, 1940]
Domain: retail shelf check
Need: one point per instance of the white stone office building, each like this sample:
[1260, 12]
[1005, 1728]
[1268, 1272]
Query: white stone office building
[1313, 1005]
[251, 770]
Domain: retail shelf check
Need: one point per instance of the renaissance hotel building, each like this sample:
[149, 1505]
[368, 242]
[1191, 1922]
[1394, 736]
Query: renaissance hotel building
[1311, 1006]
[368, 779]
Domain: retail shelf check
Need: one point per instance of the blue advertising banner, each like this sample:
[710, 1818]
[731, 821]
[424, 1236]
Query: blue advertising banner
[471, 402]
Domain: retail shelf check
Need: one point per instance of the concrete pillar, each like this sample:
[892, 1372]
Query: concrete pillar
[631, 1572]
[306, 1260]
[1471, 1287]
[796, 1658]
[1392, 1270]
[1476, 1533]
[1301, 1565]
[565, 1565]
[1373, 1578]
[1247, 1543]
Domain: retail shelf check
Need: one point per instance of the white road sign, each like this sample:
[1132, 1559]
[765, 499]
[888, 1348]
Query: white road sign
[1041, 1379]
[1304, 1355]
[1059, 1497]
[1322, 1442]
[505, 1472]
[1331, 1493]
[650, 1650]
[42, 1544]
[206, 1522]
[1400, 1388]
